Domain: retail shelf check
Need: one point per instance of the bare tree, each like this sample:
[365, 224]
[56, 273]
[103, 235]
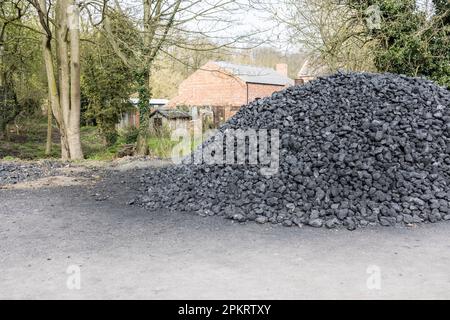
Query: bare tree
[59, 20]
[48, 144]
[329, 30]
[159, 25]
[10, 12]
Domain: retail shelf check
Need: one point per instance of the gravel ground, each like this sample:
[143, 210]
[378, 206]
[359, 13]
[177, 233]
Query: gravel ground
[15, 172]
[126, 252]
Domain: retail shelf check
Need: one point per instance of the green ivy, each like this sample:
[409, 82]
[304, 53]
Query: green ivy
[408, 41]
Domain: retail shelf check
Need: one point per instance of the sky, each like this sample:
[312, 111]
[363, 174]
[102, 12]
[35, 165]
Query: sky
[247, 20]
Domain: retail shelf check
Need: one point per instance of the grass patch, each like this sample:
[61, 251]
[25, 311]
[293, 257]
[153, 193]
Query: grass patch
[29, 143]
[93, 144]
[9, 158]
[161, 147]
[105, 154]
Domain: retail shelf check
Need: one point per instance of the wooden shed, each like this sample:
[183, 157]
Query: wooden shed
[162, 120]
[131, 118]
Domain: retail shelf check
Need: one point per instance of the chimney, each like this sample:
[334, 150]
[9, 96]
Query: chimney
[282, 69]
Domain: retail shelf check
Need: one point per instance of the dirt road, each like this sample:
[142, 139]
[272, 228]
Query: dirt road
[123, 251]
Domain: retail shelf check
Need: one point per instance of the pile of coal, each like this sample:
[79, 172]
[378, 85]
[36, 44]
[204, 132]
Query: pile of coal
[355, 149]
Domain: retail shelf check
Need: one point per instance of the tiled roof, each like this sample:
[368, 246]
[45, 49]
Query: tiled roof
[172, 113]
[254, 74]
[159, 102]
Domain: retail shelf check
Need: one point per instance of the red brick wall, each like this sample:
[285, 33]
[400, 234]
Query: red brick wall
[209, 86]
[256, 90]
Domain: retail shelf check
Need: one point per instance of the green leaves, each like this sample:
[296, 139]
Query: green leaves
[106, 85]
[410, 42]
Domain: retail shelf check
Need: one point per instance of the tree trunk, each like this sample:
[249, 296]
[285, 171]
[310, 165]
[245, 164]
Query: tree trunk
[143, 105]
[54, 97]
[3, 131]
[2, 84]
[48, 145]
[65, 101]
[143, 80]
[62, 57]
[2, 54]
[76, 152]
[61, 31]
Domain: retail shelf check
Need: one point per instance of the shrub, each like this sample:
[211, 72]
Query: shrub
[129, 135]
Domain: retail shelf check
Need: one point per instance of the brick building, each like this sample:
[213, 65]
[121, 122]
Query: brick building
[223, 87]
